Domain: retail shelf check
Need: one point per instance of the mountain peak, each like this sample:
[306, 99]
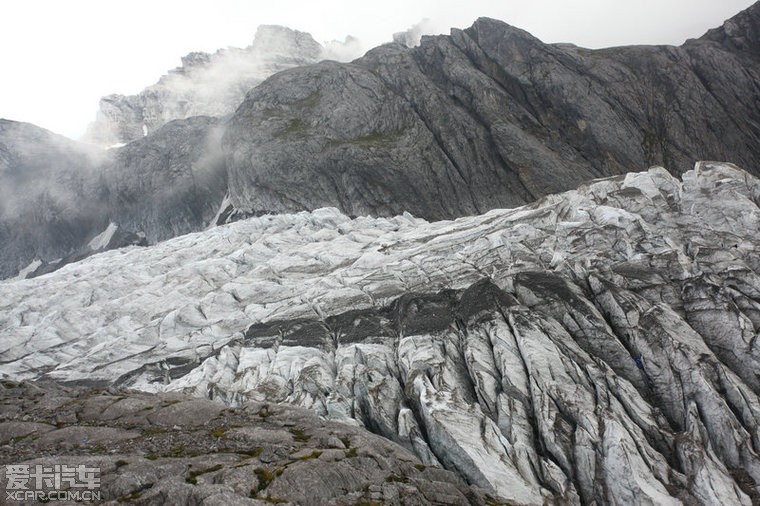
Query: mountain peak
[741, 32]
[277, 40]
[489, 28]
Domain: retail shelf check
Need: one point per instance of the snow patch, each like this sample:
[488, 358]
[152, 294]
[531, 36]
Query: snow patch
[101, 240]
[23, 273]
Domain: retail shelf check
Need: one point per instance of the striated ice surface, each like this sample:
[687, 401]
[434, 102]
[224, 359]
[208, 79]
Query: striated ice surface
[598, 345]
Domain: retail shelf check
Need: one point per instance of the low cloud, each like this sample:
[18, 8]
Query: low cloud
[211, 84]
[413, 35]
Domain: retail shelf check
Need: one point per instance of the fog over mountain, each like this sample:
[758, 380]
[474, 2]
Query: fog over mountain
[473, 268]
[482, 118]
[149, 38]
[210, 84]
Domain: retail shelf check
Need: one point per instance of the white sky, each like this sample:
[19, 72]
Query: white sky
[58, 57]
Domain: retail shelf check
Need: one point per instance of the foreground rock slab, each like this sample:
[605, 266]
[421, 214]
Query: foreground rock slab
[173, 449]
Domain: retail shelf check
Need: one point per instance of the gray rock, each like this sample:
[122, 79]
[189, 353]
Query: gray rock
[50, 196]
[66, 201]
[490, 117]
[169, 183]
[209, 84]
[220, 459]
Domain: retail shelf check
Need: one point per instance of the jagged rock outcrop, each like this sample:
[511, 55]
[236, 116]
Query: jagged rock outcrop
[50, 197]
[597, 345]
[61, 197]
[210, 84]
[491, 117]
[160, 449]
[171, 182]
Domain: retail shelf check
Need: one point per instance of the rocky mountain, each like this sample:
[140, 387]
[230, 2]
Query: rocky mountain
[169, 183]
[65, 200]
[210, 84]
[59, 195]
[484, 118]
[596, 346]
[49, 196]
[491, 117]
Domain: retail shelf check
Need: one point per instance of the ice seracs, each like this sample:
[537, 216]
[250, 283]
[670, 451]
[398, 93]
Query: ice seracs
[598, 345]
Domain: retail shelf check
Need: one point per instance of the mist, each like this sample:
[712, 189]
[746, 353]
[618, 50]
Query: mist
[210, 84]
[62, 57]
[54, 186]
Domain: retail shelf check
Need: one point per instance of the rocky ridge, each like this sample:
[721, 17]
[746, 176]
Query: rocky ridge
[597, 345]
[210, 84]
[491, 117]
[58, 197]
[484, 118]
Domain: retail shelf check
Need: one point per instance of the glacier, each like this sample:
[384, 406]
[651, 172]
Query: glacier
[596, 345]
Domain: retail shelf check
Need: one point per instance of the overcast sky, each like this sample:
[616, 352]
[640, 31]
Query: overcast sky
[59, 57]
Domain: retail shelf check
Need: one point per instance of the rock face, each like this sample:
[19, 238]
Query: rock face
[485, 118]
[171, 182]
[50, 199]
[595, 346]
[491, 117]
[174, 449]
[58, 195]
[209, 84]
[61, 197]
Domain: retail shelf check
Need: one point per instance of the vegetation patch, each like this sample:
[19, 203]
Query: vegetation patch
[299, 435]
[99, 450]
[294, 128]
[313, 455]
[397, 478]
[249, 454]
[492, 501]
[373, 139]
[193, 476]
[130, 498]
[273, 500]
[153, 431]
[264, 411]
[121, 463]
[219, 432]
[177, 451]
[265, 477]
